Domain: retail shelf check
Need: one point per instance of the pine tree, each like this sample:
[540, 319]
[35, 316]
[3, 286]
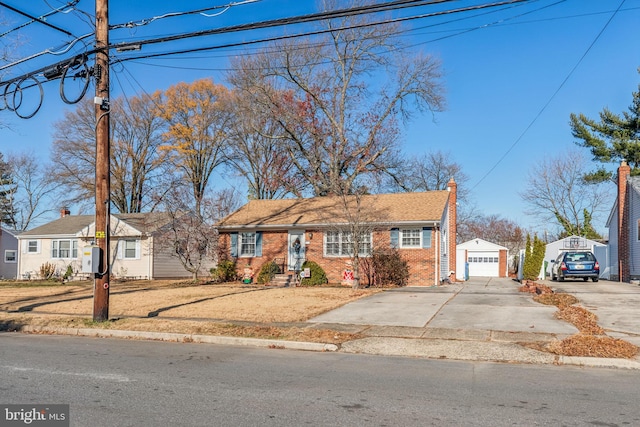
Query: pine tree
[613, 138]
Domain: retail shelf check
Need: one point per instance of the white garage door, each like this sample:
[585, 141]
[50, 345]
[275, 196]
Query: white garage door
[484, 264]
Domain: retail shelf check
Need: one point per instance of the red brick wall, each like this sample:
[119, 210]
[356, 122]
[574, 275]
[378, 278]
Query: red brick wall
[623, 223]
[453, 221]
[274, 245]
[502, 263]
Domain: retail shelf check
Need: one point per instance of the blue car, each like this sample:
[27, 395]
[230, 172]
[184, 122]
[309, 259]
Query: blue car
[577, 265]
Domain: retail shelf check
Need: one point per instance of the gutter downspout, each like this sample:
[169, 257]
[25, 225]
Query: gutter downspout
[436, 272]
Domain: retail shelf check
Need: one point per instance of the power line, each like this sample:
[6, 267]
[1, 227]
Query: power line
[36, 19]
[544, 107]
[303, 19]
[42, 17]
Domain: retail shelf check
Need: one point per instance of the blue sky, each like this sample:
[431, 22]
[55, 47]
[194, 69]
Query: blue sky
[512, 76]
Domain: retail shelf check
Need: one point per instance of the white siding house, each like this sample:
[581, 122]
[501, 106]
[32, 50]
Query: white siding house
[134, 247]
[624, 228]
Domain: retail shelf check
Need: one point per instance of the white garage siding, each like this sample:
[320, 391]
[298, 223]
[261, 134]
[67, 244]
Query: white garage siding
[483, 264]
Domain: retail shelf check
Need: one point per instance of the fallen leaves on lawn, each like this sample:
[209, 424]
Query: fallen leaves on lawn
[593, 346]
[591, 341]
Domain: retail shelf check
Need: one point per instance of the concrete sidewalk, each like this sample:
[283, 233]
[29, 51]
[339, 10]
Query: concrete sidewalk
[482, 319]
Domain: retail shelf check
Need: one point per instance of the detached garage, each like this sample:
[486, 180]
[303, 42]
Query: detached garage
[479, 258]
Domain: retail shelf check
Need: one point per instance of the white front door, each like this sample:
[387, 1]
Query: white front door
[296, 250]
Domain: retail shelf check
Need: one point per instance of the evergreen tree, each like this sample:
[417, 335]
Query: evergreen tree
[7, 190]
[533, 258]
[613, 138]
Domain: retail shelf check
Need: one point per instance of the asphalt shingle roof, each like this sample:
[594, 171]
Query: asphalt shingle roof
[391, 208]
[71, 224]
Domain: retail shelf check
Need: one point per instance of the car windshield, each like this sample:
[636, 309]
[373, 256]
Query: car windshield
[579, 256]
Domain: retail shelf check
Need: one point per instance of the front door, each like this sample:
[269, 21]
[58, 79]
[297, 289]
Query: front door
[296, 250]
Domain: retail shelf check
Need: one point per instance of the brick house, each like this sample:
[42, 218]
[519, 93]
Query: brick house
[422, 226]
[624, 228]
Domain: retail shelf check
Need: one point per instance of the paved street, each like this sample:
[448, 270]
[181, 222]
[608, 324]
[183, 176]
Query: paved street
[143, 383]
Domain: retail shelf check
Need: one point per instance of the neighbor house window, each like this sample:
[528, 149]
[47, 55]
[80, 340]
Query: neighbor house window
[33, 247]
[130, 249]
[64, 249]
[10, 255]
[338, 243]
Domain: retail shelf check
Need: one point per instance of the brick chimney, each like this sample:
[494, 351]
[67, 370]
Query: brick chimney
[623, 223]
[64, 212]
[453, 221]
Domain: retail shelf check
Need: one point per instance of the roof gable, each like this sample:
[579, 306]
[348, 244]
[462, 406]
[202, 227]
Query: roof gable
[83, 225]
[480, 245]
[393, 208]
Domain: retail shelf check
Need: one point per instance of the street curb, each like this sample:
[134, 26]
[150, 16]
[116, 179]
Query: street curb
[184, 338]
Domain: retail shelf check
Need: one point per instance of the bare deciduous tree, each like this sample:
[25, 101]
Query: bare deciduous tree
[431, 171]
[257, 154]
[35, 190]
[557, 193]
[340, 98]
[137, 165]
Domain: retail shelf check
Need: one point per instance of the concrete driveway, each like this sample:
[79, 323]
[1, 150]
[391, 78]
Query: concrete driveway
[492, 304]
[616, 304]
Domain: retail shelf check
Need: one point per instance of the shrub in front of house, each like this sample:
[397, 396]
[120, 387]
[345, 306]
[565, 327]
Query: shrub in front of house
[318, 276]
[224, 272]
[385, 267]
[268, 272]
[47, 270]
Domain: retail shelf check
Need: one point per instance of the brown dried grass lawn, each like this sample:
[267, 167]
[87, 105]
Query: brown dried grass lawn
[231, 309]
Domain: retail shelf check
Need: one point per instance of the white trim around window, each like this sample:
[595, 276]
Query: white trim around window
[338, 244]
[10, 256]
[411, 238]
[64, 249]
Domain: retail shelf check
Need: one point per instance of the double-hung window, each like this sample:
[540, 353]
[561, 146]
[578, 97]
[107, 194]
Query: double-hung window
[64, 249]
[247, 244]
[338, 243]
[411, 238]
[33, 247]
[130, 249]
[10, 256]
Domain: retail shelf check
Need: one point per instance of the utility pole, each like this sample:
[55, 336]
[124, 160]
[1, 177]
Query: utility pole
[103, 188]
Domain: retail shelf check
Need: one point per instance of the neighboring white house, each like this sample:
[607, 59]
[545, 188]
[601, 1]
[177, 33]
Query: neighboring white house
[134, 247]
[599, 249]
[479, 258]
[624, 228]
[9, 250]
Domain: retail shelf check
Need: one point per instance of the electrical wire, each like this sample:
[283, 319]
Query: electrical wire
[295, 21]
[48, 51]
[148, 21]
[313, 17]
[42, 17]
[544, 107]
[36, 19]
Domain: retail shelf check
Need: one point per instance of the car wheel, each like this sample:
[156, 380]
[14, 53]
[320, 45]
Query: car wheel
[595, 279]
[586, 279]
